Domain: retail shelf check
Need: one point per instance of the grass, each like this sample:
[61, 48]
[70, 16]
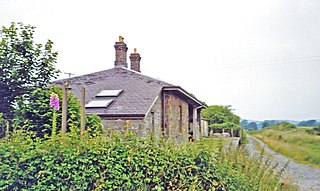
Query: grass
[238, 164]
[286, 183]
[260, 149]
[292, 142]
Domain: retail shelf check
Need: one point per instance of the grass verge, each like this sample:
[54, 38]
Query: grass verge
[292, 142]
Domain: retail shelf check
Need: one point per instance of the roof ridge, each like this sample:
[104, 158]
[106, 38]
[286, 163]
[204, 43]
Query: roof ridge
[147, 76]
[135, 72]
[63, 79]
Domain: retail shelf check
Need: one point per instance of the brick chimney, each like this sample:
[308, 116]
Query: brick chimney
[121, 53]
[135, 61]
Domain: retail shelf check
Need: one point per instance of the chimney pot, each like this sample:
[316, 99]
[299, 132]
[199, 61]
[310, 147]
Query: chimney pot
[121, 39]
[121, 53]
[135, 60]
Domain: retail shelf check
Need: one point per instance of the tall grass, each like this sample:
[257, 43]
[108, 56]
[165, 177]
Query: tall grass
[294, 143]
[258, 172]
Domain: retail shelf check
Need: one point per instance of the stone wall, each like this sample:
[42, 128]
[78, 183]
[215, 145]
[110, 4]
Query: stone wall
[122, 125]
[176, 117]
[153, 120]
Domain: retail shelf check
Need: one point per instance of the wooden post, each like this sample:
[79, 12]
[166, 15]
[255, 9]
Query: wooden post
[195, 125]
[64, 108]
[83, 110]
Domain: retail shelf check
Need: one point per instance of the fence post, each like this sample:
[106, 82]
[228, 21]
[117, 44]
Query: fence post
[83, 110]
[64, 108]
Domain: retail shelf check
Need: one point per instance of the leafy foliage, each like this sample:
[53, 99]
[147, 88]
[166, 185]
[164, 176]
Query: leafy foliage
[123, 162]
[221, 117]
[219, 114]
[34, 113]
[226, 125]
[101, 163]
[23, 64]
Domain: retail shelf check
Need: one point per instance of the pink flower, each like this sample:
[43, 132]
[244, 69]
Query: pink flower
[54, 101]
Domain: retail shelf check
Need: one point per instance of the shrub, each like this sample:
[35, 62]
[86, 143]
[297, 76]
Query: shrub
[68, 162]
[121, 162]
[313, 131]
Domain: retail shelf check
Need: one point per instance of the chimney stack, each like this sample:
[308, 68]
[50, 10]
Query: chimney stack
[121, 53]
[135, 61]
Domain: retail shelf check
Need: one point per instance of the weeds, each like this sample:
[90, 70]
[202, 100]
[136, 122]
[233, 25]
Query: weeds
[253, 172]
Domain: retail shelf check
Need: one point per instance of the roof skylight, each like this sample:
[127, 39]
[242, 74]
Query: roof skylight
[98, 103]
[109, 93]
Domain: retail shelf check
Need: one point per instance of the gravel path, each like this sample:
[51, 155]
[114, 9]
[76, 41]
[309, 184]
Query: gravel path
[307, 178]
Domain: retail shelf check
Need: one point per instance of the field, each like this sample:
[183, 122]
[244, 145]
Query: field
[293, 142]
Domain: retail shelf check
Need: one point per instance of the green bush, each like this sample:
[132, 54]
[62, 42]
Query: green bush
[313, 131]
[69, 162]
[123, 162]
[282, 126]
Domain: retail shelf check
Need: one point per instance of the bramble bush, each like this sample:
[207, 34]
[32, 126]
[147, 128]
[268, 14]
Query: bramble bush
[104, 163]
[123, 162]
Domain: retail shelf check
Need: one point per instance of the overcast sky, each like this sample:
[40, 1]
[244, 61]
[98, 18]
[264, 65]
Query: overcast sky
[260, 56]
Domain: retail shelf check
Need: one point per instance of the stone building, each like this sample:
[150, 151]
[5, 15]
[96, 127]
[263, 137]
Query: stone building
[125, 99]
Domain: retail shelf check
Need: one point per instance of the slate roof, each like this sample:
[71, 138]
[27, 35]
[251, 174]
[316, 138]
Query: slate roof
[139, 91]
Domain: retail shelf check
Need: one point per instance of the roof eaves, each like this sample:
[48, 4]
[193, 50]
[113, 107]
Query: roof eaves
[154, 101]
[120, 115]
[181, 90]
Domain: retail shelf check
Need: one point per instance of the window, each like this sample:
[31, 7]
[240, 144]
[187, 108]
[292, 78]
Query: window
[109, 93]
[152, 122]
[98, 103]
[180, 118]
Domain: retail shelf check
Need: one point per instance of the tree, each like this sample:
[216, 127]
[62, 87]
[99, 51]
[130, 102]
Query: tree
[308, 123]
[221, 117]
[244, 123]
[252, 125]
[265, 124]
[218, 114]
[24, 65]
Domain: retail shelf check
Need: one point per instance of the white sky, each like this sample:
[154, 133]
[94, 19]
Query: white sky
[260, 56]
